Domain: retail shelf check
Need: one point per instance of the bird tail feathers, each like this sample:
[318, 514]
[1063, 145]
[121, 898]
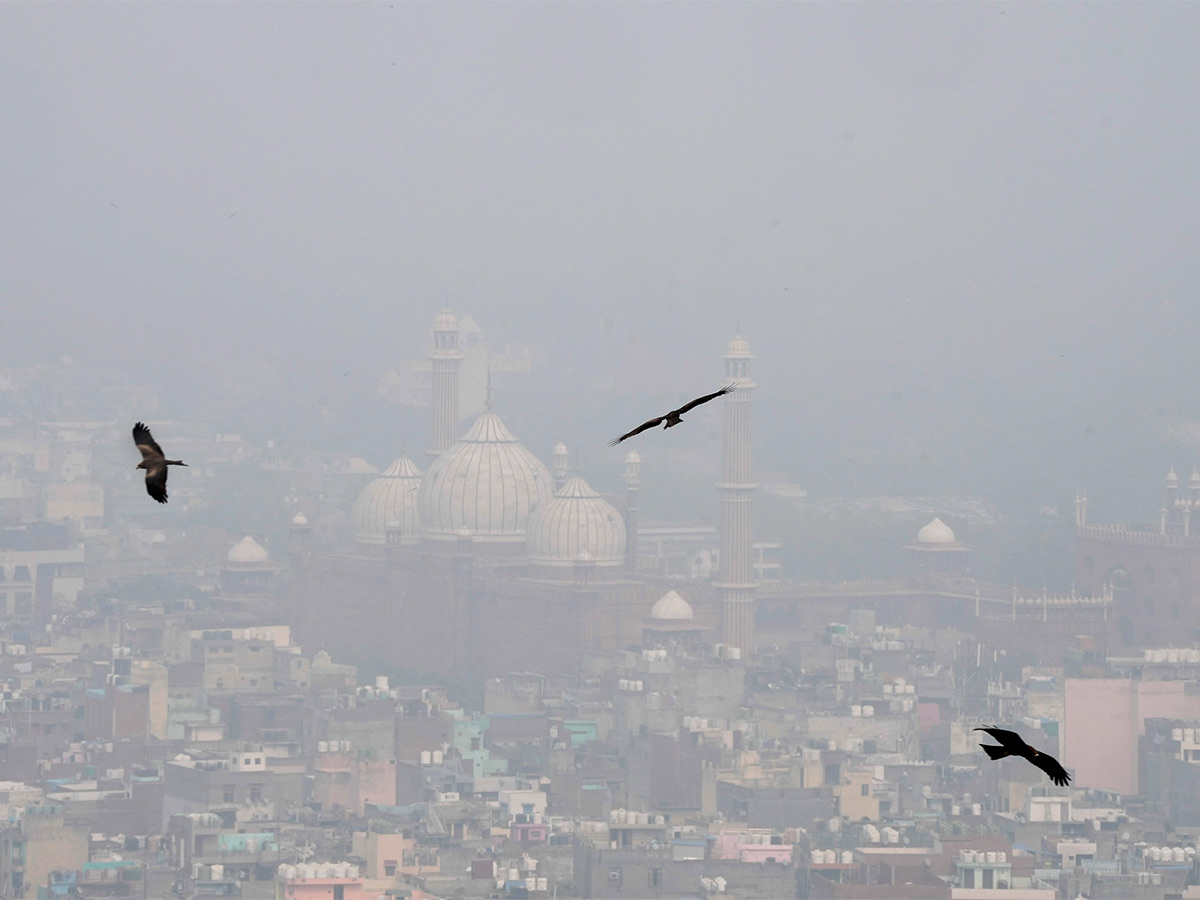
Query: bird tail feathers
[994, 752]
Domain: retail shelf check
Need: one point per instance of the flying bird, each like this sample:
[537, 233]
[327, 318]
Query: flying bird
[154, 462]
[1011, 744]
[674, 417]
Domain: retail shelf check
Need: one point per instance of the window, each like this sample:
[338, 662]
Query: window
[389, 867]
[614, 875]
[968, 878]
[339, 892]
[256, 793]
[258, 760]
[227, 793]
[988, 874]
[654, 878]
[527, 808]
[866, 790]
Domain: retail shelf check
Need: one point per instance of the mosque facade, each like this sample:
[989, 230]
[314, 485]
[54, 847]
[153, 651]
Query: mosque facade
[488, 561]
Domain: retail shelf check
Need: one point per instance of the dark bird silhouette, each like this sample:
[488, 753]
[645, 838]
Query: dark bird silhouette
[674, 417]
[1011, 744]
[154, 462]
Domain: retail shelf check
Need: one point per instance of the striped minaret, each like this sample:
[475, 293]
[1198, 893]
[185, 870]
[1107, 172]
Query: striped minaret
[446, 359]
[633, 480]
[737, 488]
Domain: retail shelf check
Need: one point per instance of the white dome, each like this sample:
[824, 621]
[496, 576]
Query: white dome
[739, 346]
[936, 532]
[488, 483]
[392, 497]
[671, 606]
[445, 321]
[247, 550]
[299, 519]
[577, 521]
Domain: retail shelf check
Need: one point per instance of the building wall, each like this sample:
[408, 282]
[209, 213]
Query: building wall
[1104, 717]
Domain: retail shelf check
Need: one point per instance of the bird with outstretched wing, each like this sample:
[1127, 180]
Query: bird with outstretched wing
[1011, 744]
[154, 462]
[672, 418]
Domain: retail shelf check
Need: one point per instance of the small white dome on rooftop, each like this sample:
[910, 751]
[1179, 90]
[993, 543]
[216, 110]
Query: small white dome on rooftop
[936, 532]
[739, 346]
[299, 519]
[671, 606]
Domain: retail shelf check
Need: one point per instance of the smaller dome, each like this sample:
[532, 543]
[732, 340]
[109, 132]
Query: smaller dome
[392, 497]
[671, 606]
[560, 449]
[936, 532]
[445, 321]
[739, 346]
[299, 520]
[247, 550]
[633, 457]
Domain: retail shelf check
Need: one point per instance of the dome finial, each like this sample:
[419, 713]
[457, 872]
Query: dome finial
[488, 401]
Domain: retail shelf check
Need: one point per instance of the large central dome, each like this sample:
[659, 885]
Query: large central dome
[487, 484]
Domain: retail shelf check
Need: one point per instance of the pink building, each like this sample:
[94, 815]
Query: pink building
[1105, 716]
[351, 782]
[751, 845]
[320, 881]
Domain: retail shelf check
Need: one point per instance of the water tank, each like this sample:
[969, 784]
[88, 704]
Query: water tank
[531, 884]
[1179, 855]
[704, 724]
[660, 820]
[818, 857]
[991, 857]
[856, 710]
[1001, 856]
[734, 653]
[426, 757]
[720, 882]
[831, 856]
[1173, 655]
[908, 704]
[437, 757]
[1177, 734]
[641, 685]
[325, 870]
[214, 715]
[887, 689]
[513, 875]
[910, 689]
[955, 810]
[1156, 854]
[543, 884]
[622, 684]
[322, 746]
[847, 857]
[976, 809]
[835, 825]
[1155, 877]
[339, 870]
[1189, 735]
[1149, 655]
[868, 710]
[831, 745]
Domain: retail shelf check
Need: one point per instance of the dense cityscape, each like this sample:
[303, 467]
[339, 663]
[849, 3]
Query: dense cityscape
[470, 674]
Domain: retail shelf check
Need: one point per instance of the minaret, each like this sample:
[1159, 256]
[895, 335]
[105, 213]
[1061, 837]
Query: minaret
[561, 467]
[633, 480]
[737, 491]
[446, 359]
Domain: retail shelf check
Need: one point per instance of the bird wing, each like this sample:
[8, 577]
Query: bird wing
[1008, 739]
[146, 443]
[704, 399]
[637, 430]
[156, 482]
[1053, 768]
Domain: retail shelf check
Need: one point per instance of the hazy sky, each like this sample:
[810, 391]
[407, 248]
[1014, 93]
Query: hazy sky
[975, 223]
